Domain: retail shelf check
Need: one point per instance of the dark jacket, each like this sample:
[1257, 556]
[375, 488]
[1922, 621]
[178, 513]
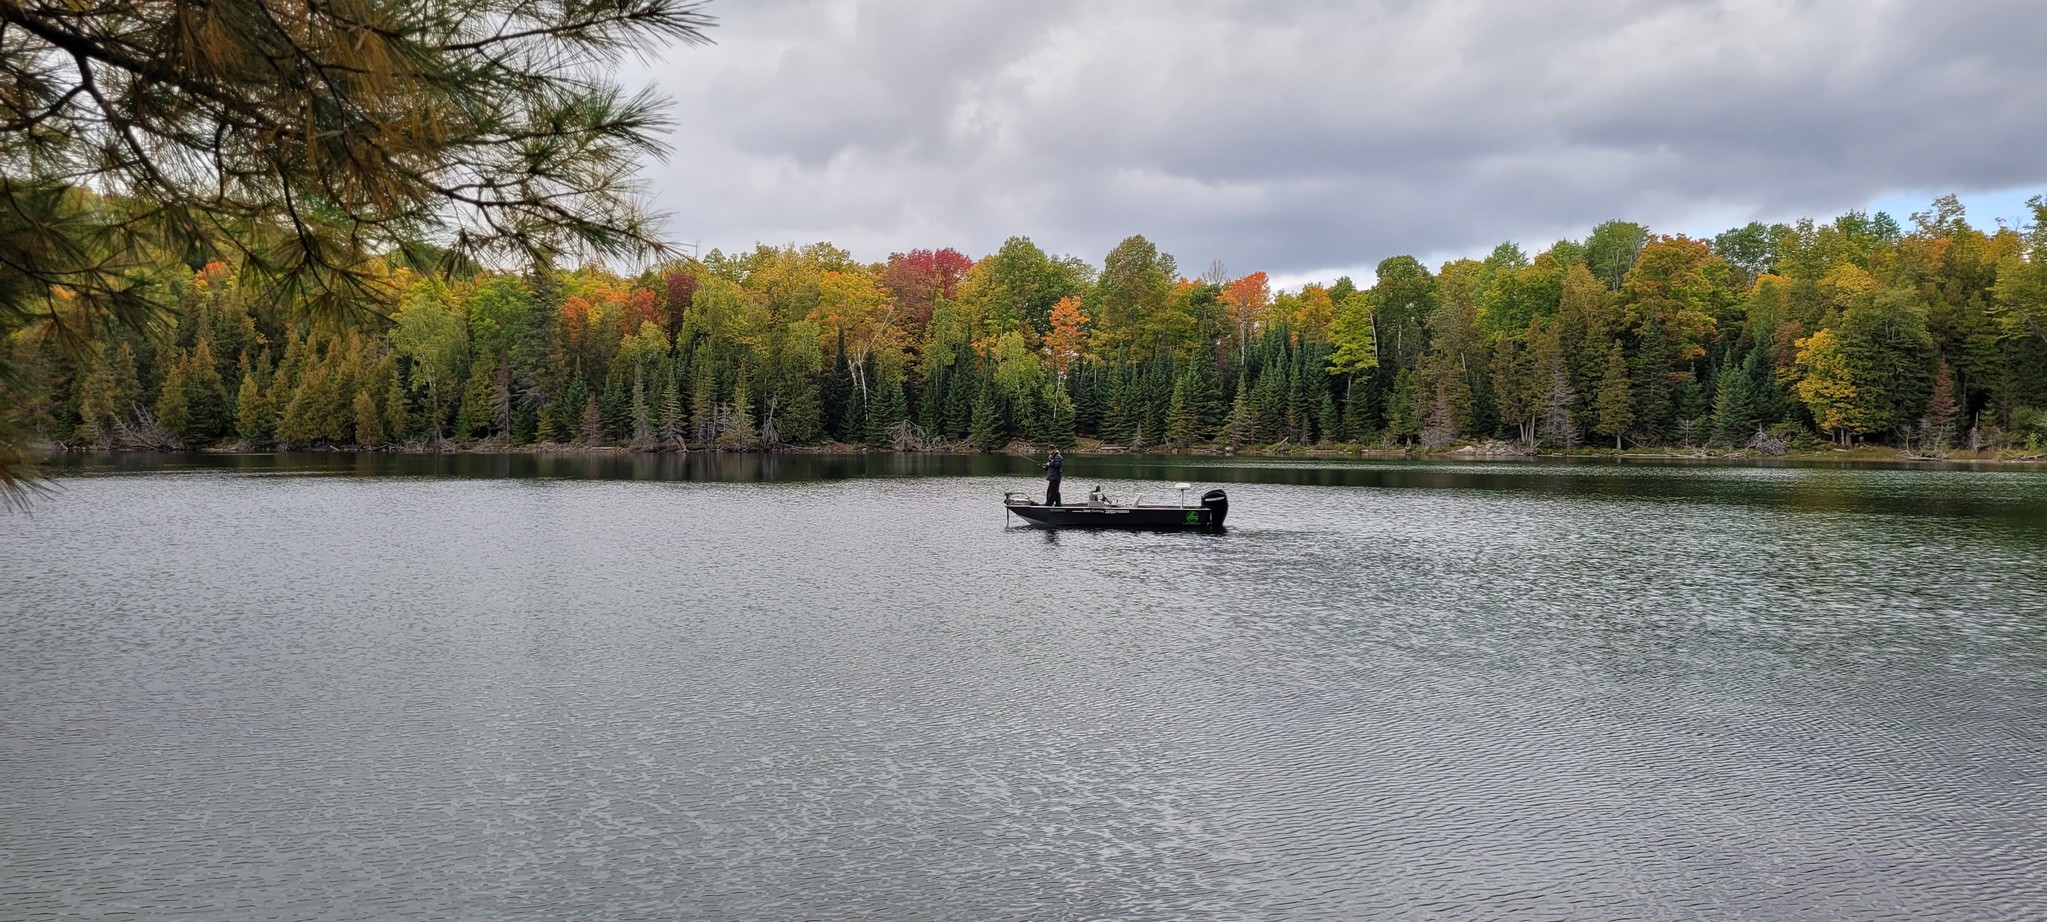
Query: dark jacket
[1052, 468]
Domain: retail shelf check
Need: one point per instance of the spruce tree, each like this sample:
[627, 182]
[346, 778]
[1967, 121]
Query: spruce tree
[592, 428]
[673, 422]
[397, 420]
[96, 415]
[643, 414]
[616, 408]
[1615, 403]
[1735, 414]
[960, 393]
[703, 398]
[1241, 428]
[739, 431]
[369, 420]
[474, 417]
[252, 412]
[1181, 421]
[127, 392]
[1059, 416]
[206, 398]
[171, 410]
[1360, 415]
[987, 430]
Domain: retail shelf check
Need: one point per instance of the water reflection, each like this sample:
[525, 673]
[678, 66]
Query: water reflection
[1978, 491]
[728, 686]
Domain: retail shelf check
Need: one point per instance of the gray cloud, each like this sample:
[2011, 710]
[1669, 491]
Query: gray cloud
[1298, 137]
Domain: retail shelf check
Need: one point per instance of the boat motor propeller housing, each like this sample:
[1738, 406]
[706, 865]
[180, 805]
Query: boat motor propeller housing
[1218, 505]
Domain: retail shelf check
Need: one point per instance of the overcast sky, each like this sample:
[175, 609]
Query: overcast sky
[1307, 139]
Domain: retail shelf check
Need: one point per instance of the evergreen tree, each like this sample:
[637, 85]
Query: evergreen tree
[1735, 413]
[97, 418]
[739, 431]
[673, 424]
[885, 413]
[963, 391]
[1615, 403]
[1328, 421]
[616, 408]
[1651, 374]
[1937, 426]
[987, 430]
[838, 393]
[592, 428]
[1404, 409]
[397, 420]
[1059, 416]
[1181, 419]
[474, 417]
[703, 399]
[206, 399]
[172, 412]
[369, 420]
[502, 408]
[1241, 428]
[1360, 415]
[127, 392]
[252, 412]
[643, 414]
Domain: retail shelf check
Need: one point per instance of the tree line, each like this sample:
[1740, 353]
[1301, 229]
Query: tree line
[1929, 337]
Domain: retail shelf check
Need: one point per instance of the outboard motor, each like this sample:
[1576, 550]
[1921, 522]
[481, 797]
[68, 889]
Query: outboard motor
[1218, 505]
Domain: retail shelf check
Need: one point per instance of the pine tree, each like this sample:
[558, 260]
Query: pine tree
[1059, 416]
[643, 415]
[206, 397]
[369, 423]
[673, 424]
[501, 404]
[987, 431]
[474, 418]
[1735, 414]
[1240, 428]
[1937, 425]
[1615, 403]
[127, 391]
[857, 416]
[1328, 421]
[593, 423]
[960, 394]
[1652, 391]
[172, 412]
[1359, 414]
[1181, 421]
[738, 431]
[97, 419]
[884, 413]
[703, 399]
[1404, 407]
[616, 408]
[397, 421]
[252, 412]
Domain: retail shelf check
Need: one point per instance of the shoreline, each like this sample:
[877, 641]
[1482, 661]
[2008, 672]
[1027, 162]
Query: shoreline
[1469, 452]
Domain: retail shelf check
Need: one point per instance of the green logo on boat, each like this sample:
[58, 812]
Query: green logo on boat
[1193, 516]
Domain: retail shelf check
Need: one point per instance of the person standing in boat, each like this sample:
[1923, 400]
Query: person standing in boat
[1052, 465]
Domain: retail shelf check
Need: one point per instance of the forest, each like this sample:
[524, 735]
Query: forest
[1931, 338]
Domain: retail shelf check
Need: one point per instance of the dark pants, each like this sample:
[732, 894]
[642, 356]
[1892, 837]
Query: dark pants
[1052, 493]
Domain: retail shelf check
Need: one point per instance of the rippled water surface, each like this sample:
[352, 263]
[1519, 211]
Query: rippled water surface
[822, 688]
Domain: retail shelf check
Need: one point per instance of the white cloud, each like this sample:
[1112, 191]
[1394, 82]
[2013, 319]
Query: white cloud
[1296, 137]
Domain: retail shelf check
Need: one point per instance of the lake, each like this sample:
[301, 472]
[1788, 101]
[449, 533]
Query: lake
[828, 687]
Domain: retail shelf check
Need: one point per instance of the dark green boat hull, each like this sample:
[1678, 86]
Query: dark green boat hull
[1215, 506]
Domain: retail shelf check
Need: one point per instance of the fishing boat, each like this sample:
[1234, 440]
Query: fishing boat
[1100, 511]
